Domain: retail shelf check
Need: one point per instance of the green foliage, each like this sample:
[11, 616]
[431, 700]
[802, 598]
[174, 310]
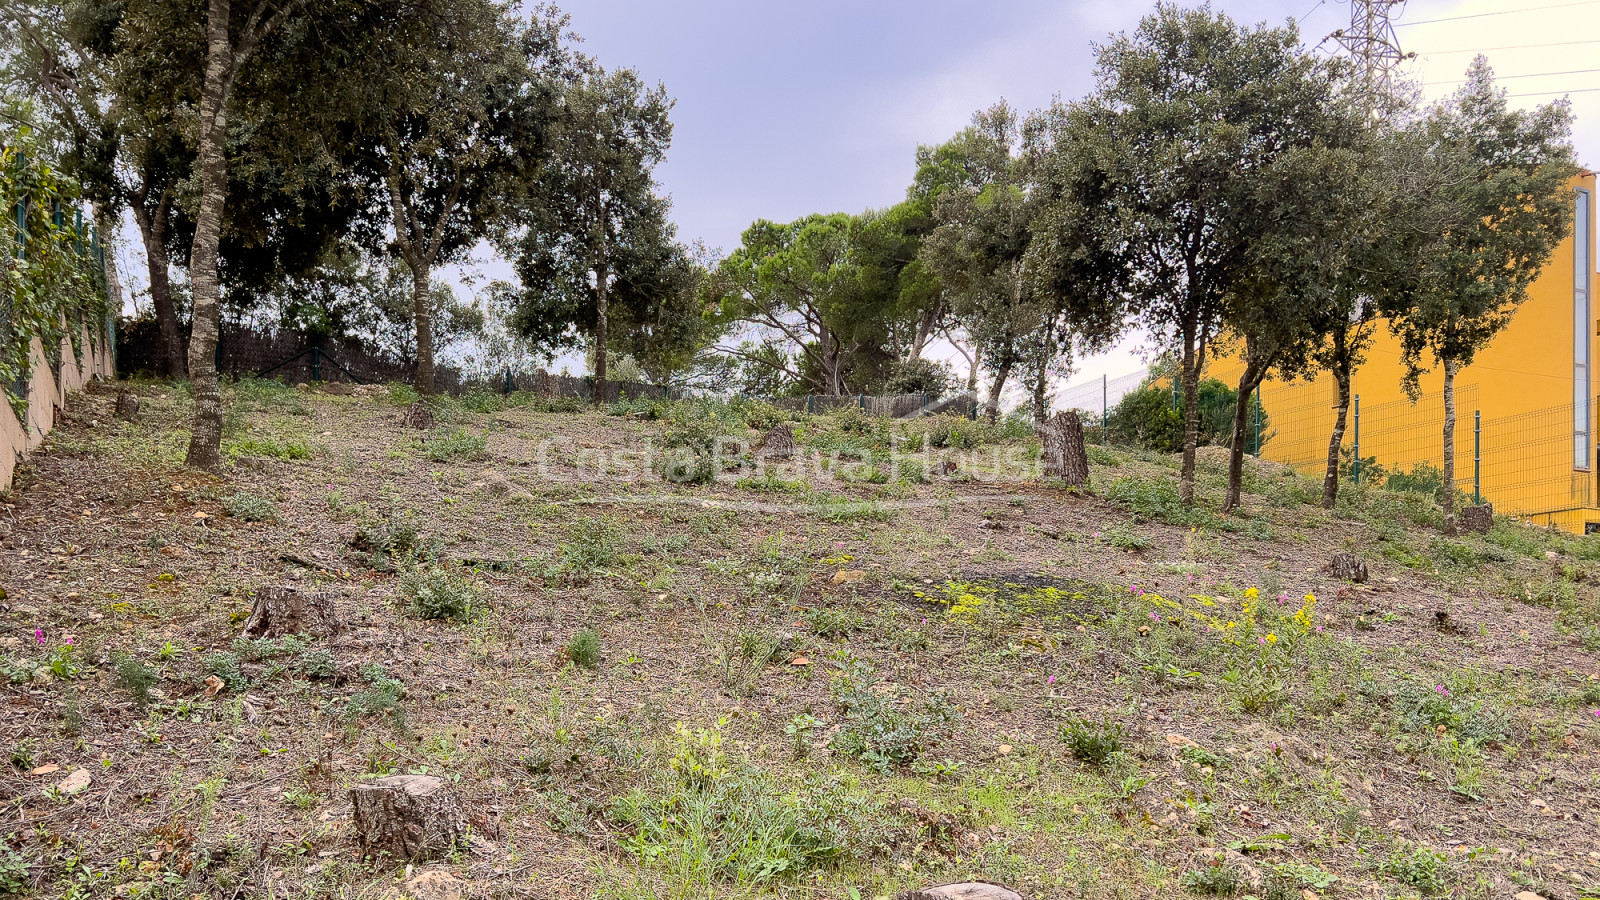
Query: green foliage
[1091, 742]
[456, 444]
[134, 677]
[1154, 499]
[267, 448]
[1423, 478]
[14, 878]
[54, 290]
[1426, 870]
[1216, 880]
[63, 663]
[592, 546]
[381, 698]
[1454, 709]
[226, 667]
[825, 622]
[440, 592]
[251, 508]
[705, 823]
[881, 731]
[317, 664]
[1147, 417]
[391, 540]
[584, 648]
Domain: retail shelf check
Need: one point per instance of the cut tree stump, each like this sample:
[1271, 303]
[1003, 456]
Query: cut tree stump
[417, 416]
[127, 408]
[1348, 567]
[966, 890]
[1065, 456]
[777, 444]
[409, 817]
[1477, 519]
[280, 610]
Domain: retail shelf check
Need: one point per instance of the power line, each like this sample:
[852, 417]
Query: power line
[1503, 12]
[1302, 19]
[1507, 47]
[1371, 42]
[1553, 93]
[1509, 77]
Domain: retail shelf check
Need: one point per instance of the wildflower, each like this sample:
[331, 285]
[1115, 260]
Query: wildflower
[1097, 535]
[1262, 641]
[1319, 629]
[38, 636]
[1052, 679]
[1251, 593]
[1272, 638]
[1441, 690]
[1155, 617]
[1597, 713]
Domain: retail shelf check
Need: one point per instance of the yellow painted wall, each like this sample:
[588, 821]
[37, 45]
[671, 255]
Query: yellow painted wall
[1522, 384]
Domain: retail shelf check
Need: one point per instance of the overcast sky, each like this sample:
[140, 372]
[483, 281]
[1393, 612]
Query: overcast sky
[788, 109]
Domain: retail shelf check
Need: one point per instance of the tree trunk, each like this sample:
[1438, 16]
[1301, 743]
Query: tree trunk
[972, 370]
[1448, 501]
[1341, 375]
[602, 329]
[925, 329]
[205, 441]
[992, 411]
[1190, 373]
[107, 227]
[830, 362]
[422, 315]
[1248, 382]
[153, 232]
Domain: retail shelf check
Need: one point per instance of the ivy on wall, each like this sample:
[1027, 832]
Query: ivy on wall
[52, 282]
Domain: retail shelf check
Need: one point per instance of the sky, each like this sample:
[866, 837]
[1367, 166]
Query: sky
[789, 109]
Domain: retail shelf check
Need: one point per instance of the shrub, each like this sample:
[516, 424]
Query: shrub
[461, 443]
[134, 676]
[1154, 499]
[1215, 880]
[391, 539]
[251, 508]
[317, 664]
[1425, 709]
[1093, 743]
[436, 592]
[832, 622]
[584, 648]
[381, 697]
[403, 394]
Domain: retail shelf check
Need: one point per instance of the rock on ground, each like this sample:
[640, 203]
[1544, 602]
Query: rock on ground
[966, 890]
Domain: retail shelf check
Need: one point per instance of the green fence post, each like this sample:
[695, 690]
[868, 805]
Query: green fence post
[316, 363]
[1355, 467]
[811, 404]
[1477, 457]
[861, 402]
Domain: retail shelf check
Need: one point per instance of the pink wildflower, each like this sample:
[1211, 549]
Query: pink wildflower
[1053, 681]
[1155, 617]
[38, 636]
[1441, 690]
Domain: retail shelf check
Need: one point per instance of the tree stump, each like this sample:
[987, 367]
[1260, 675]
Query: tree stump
[1477, 519]
[417, 416]
[1349, 567]
[966, 890]
[281, 610]
[127, 408]
[1065, 456]
[409, 817]
[777, 444]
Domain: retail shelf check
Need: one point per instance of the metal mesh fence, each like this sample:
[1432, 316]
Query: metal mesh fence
[1094, 397]
[897, 406]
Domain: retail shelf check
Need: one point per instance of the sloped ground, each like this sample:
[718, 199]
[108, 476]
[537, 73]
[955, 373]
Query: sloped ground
[796, 686]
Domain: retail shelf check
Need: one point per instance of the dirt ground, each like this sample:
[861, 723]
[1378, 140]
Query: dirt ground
[839, 683]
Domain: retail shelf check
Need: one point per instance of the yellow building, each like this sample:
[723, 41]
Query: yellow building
[1526, 408]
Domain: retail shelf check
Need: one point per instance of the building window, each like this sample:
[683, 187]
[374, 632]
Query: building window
[1581, 320]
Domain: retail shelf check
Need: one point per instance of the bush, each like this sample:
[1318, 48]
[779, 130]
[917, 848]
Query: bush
[1426, 870]
[317, 664]
[391, 539]
[436, 592]
[444, 446]
[921, 376]
[381, 697]
[1093, 743]
[270, 448]
[1154, 499]
[584, 648]
[251, 508]
[226, 667]
[1148, 417]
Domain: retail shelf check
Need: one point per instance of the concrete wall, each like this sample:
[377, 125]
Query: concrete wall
[47, 395]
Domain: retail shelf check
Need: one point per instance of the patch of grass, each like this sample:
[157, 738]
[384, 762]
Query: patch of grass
[226, 667]
[1446, 552]
[391, 540]
[584, 648]
[593, 546]
[438, 592]
[1454, 709]
[706, 825]
[248, 507]
[456, 444]
[1215, 880]
[835, 508]
[317, 664]
[881, 731]
[134, 677]
[1426, 870]
[267, 448]
[1126, 539]
[826, 622]
[380, 699]
[770, 483]
[1093, 743]
[401, 394]
[1154, 499]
